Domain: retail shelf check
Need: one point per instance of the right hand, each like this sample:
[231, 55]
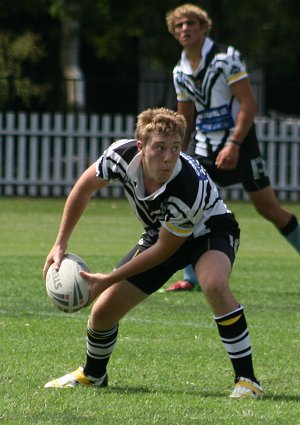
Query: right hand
[227, 158]
[55, 256]
[97, 283]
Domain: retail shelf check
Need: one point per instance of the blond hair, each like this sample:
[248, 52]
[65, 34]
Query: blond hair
[160, 120]
[187, 9]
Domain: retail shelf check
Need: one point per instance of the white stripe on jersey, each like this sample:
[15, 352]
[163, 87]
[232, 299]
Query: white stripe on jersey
[183, 205]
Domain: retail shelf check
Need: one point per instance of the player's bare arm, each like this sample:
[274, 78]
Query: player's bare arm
[244, 94]
[229, 155]
[166, 245]
[75, 205]
[187, 109]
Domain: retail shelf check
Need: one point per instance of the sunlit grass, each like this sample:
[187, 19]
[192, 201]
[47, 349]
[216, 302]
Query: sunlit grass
[169, 366]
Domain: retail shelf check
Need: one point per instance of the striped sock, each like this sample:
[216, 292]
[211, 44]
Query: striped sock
[235, 337]
[291, 232]
[100, 345]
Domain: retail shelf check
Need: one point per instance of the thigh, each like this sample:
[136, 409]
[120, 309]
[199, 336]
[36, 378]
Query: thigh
[266, 204]
[213, 271]
[114, 303]
[213, 268]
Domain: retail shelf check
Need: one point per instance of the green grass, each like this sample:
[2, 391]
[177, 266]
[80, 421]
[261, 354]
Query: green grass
[169, 367]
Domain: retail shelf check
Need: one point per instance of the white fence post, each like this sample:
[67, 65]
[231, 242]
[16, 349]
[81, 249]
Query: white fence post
[45, 163]
[44, 154]
[33, 152]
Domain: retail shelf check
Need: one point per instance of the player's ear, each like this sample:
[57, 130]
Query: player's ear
[140, 145]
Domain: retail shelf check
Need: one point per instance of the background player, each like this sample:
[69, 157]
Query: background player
[215, 96]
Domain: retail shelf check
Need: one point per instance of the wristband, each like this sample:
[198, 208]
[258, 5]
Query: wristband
[234, 142]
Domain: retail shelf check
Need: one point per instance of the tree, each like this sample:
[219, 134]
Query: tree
[117, 35]
[268, 34]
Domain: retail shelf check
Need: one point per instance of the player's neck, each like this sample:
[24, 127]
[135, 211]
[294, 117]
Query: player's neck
[151, 186]
[194, 55]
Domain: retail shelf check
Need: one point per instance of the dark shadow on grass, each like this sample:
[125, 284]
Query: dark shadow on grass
[197, 392]
[145, 390]
[281, 397]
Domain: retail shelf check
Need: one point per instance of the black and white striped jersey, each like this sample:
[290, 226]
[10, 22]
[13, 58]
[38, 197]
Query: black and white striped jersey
[187, 205]
[209, 88]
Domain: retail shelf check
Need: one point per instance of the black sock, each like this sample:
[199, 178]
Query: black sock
[100, 345]
[235, 337]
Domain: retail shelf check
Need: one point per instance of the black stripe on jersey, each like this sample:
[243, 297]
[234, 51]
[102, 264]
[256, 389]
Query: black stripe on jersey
[178, 209]
[113, 175]
[141, 207]
[209, 57]
[207, 197]
[124, 150]
[125, 147]
[216, 48]
[205, 78]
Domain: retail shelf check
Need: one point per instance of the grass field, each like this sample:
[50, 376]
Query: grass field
[169, 367]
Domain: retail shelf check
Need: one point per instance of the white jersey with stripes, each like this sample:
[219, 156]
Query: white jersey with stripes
[208, 87]
[187, 205]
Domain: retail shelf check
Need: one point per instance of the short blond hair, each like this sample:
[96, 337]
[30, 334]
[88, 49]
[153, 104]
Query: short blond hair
[160, 120]
[184, 10]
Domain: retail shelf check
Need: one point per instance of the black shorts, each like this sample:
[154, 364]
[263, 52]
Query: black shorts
[250, 170]
[189, 253]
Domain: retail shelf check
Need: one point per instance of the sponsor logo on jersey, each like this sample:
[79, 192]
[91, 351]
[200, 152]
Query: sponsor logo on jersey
[214, 119]
[196, 166]
[235, 70]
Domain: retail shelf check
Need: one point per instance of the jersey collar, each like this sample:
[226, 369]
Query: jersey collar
[185, 64]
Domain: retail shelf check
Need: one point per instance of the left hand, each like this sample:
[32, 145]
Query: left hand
[97, 283]
[227, 158]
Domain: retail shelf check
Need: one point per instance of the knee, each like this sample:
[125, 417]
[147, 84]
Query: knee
[213, 288]
[101, 321]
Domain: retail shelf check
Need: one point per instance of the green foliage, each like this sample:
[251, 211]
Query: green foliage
[18, 51]
[169, 367]
[267, 32]
[261, 29]
[124, 33]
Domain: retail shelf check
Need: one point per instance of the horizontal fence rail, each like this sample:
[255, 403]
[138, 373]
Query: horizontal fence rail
[44, 154]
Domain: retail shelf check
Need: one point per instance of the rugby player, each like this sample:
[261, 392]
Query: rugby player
[215, 96]
[185, 222]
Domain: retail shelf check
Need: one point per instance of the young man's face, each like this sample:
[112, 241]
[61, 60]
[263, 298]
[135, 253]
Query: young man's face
[159, 156]
[189, 31]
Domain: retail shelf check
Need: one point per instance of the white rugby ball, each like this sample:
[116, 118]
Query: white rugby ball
[66, 288]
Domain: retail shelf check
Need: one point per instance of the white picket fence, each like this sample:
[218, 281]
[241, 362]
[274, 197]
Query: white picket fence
[44, 154]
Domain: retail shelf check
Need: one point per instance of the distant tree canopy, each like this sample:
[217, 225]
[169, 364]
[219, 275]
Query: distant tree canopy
[116, 35]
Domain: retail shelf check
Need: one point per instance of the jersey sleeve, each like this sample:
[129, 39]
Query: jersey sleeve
[180, 218]
[233, 67]
[111, 166]
[177, 219]
[178, 78]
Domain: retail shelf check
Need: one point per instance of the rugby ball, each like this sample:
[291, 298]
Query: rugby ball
[65, 287]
